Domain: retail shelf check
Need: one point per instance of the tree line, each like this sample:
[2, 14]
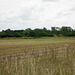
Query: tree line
[55, 31]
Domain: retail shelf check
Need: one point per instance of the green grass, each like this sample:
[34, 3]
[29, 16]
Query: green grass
[34, 41]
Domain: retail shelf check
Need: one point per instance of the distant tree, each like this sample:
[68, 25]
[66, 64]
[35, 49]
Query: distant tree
[16, 34]
[65, 30]
[26, 32]
[58, 28]
[2, 34]
[56, 31]
[32, 34]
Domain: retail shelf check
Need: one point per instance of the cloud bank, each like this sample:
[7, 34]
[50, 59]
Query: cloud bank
[50, 0]
[22, 14]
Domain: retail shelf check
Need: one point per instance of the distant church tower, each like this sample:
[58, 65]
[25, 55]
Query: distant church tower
[53, 28]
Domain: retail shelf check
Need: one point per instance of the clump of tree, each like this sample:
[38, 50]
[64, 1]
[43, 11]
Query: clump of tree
[55, 31]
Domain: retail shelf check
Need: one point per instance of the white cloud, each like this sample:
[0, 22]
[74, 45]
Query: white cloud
[50, 0]
[21, 14]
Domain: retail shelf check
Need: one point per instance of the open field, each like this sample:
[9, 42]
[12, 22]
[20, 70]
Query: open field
[42, 56]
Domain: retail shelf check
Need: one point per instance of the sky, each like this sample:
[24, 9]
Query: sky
[22, 14]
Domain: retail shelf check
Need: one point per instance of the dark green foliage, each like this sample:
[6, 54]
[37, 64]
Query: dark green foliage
[64, 31]
[32, 33]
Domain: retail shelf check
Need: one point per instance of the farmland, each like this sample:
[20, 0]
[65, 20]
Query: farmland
[41, 56]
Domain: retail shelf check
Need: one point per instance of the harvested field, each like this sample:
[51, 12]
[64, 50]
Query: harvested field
[45, 56]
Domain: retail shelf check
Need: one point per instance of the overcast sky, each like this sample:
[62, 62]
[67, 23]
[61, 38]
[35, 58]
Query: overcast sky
[22, 14]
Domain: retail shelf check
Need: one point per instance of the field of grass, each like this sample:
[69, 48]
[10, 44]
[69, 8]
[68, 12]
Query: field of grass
[41, 56]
